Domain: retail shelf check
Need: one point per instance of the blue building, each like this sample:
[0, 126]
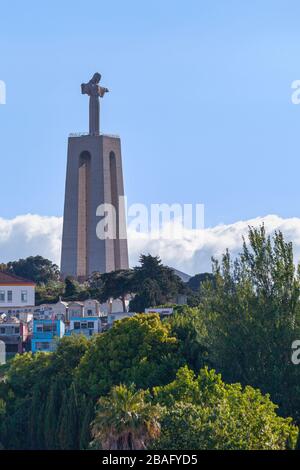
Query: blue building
[46, 332]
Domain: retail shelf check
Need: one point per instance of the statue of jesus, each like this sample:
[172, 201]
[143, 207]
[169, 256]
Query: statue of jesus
[94, 91]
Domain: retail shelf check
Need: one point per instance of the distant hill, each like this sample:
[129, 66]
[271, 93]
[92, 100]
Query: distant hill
[183, 276]
[195, 281]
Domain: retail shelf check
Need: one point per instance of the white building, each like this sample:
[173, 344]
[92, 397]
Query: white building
[91, 308]
[113, 306]
[75, 309]
[67, 310]
[112, 317]
[86, 308]
[87, 326]
[163, 312]
[16, 293]
[58, 311]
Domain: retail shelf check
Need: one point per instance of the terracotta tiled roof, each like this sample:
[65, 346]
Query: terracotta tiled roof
[7, 279]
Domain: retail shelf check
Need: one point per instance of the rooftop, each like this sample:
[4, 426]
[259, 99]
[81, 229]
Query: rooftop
[12, 279]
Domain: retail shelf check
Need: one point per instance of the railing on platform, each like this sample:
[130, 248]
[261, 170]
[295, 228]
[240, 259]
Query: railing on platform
[84, 134]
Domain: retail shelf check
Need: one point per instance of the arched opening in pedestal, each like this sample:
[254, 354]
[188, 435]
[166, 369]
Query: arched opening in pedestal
[84, 181]
[115, 203]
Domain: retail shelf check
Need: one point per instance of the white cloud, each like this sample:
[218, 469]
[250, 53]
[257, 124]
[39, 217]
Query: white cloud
[33, 234]
[27, 235]
[192, 253]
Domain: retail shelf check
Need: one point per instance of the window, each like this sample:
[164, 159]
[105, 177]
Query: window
[90, 325]
[49, 328]
[75, 312]
[9, 296]
[17, 330]
[42, 346]
[90, 312]
[2, 295]
[39, 328]
[76, 325]
[84, 326]
[11, 348]
[2, 331]
[24, 296]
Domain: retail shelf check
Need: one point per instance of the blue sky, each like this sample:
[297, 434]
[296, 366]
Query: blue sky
[200, 95]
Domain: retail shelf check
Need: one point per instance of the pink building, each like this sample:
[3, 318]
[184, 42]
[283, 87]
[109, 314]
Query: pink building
[15, 334]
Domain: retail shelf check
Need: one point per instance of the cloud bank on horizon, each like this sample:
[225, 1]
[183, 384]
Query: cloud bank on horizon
[27, 235]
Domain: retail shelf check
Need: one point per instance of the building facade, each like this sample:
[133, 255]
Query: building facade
[58, 311]
[15, 334]
[91, 308]
[87, 326]
[15, 292]
[75, 309]
[46, 334]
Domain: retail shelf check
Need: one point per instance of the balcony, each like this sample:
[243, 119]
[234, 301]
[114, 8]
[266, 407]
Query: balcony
[43, 335]
[85, 134]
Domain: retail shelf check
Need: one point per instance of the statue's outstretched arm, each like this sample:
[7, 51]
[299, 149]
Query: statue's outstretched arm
[102, 91]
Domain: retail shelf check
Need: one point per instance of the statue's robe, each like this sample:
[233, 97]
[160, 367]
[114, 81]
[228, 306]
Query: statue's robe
[95, 92]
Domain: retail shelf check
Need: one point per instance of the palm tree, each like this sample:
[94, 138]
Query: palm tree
[125, 420]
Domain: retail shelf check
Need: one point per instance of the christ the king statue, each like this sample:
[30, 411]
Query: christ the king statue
[94, 91]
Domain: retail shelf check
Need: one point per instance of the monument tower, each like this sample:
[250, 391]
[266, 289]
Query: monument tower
[94, 177]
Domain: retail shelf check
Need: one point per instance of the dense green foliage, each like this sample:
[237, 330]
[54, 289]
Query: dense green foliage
[246, 317]
[137, 350]
[194, 287]
[34, 268]
[152, 283]
[39, 394]
[50, 398]
[117, 285]
[205, 413]
[189, 326]
[252, 315]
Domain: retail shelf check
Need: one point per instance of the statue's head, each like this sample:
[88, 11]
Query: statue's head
[96, 78]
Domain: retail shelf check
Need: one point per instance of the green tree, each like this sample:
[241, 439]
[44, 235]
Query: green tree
[66, 358]
[125, 420]
[188, 325]
[52, 409]
[137, 350]
[195, 286]
[35, 268]
[24, 372]
[37, 417]
[117, 285]
[95, 286]
[2, 421]
[154, 284]
[196, 281]
[205, 413]
[252, 316]
[149, 295]
[72, 288]
[68, 433]
[36, 391]
[49, 293]
[87, 408]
